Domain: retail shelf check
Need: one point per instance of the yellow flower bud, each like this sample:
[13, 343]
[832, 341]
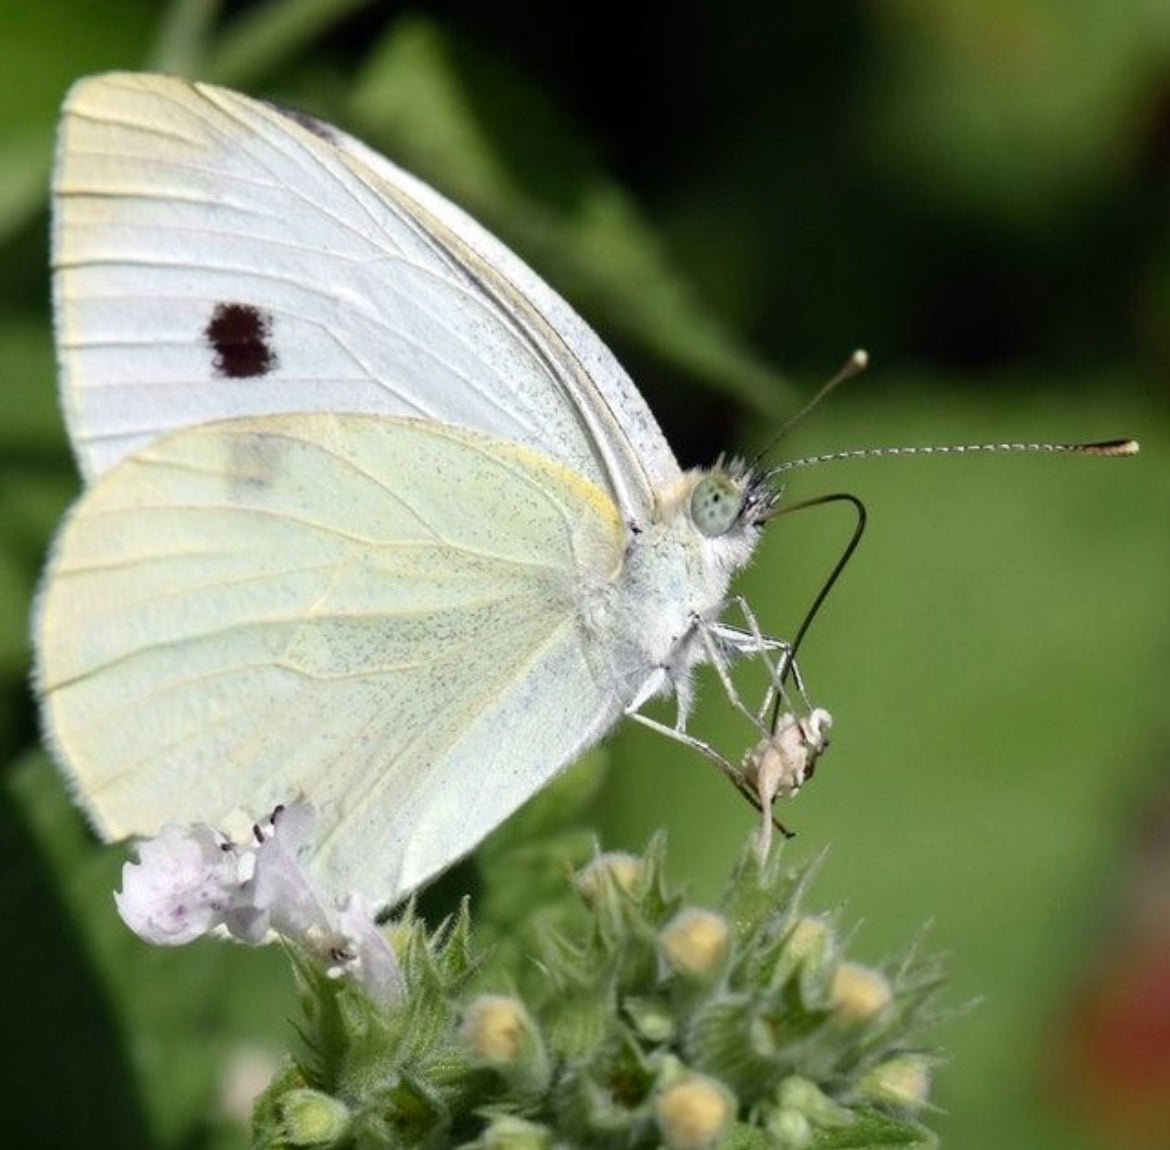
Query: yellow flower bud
[808, 938]
[696, 942]
[623, 870]
[497, 1028]
[310, 1118]
[858, 994]
[694, 1112]
[810, 944]
[903, 1081]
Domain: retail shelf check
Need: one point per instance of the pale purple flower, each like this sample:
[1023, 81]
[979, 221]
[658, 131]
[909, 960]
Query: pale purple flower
[183, 886]
[367, 956]
[279, 894]
[191, 881]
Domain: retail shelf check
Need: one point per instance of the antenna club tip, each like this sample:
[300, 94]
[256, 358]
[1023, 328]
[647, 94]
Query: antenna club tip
[1113, 448]
[860, 359]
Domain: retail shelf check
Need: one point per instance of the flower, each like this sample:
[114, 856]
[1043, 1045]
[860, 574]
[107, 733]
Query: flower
[183, 886]
[857, 994]
[695, 942]
[623, 1017]
[496, 1027]
[618, 868]
[694, 1112]
[902, 1081]
[192, 881]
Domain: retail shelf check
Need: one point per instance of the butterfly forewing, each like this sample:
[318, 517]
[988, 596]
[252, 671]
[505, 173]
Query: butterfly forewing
[218, 257]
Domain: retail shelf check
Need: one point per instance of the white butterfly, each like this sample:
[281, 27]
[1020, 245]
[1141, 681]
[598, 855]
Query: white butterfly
[372, 516]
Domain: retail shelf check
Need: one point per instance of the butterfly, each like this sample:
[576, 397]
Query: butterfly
[371, 516]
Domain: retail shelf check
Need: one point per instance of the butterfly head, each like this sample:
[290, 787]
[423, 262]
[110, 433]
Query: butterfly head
[727, 504]
[730, 498]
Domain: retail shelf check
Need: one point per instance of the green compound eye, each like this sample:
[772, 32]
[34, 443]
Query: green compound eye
[716, 504]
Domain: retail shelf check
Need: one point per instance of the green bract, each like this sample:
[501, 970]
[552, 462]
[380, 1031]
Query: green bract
[589, 1034]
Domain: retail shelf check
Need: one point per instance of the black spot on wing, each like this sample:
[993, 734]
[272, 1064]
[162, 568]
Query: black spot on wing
[309, 123]
[240, 337]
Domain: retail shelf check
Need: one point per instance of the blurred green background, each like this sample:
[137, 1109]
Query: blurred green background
[736, 194]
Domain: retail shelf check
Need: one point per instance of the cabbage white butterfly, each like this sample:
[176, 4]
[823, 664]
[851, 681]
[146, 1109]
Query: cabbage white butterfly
[372, 517]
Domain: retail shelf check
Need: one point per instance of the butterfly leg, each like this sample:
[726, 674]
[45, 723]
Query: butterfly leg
[786, 754]
[714, 637]
[748, 785]
[721, 639]
[733, 773]
[753, 641]
[660, 681]
[726, 767]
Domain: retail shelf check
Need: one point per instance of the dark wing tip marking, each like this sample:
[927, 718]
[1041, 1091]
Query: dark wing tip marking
[310, 123]
[240, 336]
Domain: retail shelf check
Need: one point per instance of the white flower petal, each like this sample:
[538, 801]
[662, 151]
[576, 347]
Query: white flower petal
[374, 963]
[281, 895]
[190, 881]
[183, 886]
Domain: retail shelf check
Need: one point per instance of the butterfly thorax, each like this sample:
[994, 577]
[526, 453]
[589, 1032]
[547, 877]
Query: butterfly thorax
[674, 577]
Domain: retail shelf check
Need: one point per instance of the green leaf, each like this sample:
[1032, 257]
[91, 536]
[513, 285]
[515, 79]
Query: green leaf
[73, 1083]
[42, 51]
[144, 1005]
[1019, 112]
[24, 176]
[30, 419]
[744, 1137]
[493, 141]
[268, 35]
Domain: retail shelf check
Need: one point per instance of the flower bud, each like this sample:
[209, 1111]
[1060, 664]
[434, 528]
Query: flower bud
[693, 1112]
[809, 945]
[653, 1018]
[858, 994]
[800, 1095]
[310, 1118]
[789, 1129]
[809, 938]
[497, 1028]
[695, 942]
[903, 1081]
[623, 870]
[499, 1031]
[808, 948]
[508, 1133]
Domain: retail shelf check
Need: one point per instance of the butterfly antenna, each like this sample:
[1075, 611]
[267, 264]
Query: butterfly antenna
[1112, 448]
[854, 365]
[1109, 448]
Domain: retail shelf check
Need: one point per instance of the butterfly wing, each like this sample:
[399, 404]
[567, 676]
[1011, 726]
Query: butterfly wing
[218, 257]
[377, 614]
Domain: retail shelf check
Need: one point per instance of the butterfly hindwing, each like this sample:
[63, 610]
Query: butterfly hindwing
[378, 614]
